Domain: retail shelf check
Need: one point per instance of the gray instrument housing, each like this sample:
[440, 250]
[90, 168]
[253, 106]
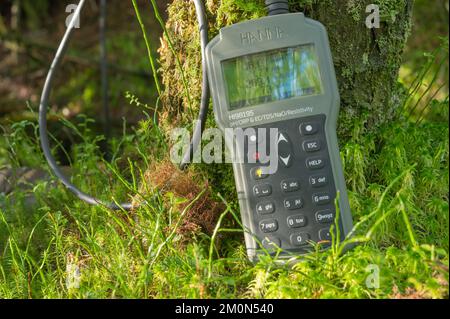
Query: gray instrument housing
[269, 33]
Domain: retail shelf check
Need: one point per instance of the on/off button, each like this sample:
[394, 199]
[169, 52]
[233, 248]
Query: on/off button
[309, 128]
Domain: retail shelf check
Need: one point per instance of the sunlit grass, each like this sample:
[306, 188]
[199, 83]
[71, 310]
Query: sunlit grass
[63, 248]
[428, 85]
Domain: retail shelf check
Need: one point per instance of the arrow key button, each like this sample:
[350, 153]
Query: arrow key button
[285, 153]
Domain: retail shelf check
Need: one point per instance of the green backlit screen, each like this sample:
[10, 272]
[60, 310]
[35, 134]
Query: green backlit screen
[272, 76]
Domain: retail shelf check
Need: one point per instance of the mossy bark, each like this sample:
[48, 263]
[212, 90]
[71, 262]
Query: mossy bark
[367, 60]
[367, 63]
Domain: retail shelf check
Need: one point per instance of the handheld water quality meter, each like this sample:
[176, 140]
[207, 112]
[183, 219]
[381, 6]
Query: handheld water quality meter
[272, 73]
[277, 72]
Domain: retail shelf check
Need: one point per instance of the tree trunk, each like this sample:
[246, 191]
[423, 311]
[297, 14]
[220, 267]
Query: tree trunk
[367, 60]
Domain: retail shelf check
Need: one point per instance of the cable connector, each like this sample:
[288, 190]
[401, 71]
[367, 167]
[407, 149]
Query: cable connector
[275, 7]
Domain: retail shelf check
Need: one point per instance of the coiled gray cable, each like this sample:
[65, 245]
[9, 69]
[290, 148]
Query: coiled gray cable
[203, 26]
[275, 7]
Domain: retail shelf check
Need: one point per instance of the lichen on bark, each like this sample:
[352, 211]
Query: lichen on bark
[366, 60]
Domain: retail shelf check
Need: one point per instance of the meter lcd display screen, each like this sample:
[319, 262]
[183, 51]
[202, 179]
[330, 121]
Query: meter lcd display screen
[272, 76]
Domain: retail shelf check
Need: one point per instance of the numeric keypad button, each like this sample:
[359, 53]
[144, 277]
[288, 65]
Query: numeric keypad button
[262, 190]
[296, 221]
[300, 239]
[325, 216]
[265, 208]
[293, 203]
[268, 226]
[290, 185]
[318, 181]
[321, 198]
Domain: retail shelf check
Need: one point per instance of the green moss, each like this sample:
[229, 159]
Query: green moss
[354, 8]
[366, 61]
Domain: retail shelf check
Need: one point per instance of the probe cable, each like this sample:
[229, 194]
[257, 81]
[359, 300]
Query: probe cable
[43, 132]
[273, 6]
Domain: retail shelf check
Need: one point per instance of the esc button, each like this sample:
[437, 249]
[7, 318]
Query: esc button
[311, 146]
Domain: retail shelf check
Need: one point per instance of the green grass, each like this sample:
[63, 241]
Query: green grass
[398, 186]
[398, 183]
